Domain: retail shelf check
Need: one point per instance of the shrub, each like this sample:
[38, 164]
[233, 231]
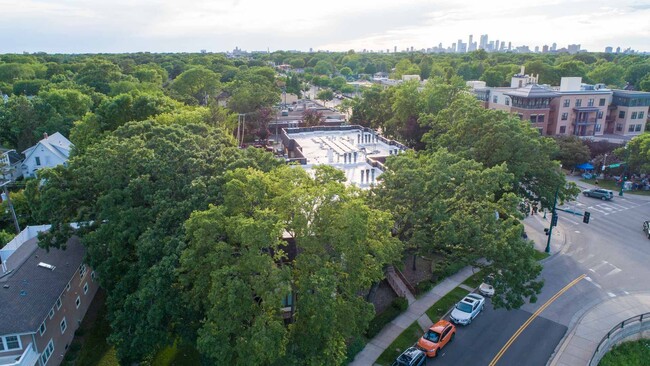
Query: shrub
[400, 304]
[423, 286]
[354, 347]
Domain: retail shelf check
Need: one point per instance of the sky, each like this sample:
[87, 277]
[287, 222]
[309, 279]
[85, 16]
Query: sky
[114, 26]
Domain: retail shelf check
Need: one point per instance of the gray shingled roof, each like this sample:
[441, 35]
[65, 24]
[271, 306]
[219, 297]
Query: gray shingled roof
[532, 91]
[33, 290]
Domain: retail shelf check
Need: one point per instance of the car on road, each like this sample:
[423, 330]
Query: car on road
[438, 336]
[411, 357]
[467, 309]
[603, 194]
[646, 228]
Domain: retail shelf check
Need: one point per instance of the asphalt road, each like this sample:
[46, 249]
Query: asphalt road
[611, 251]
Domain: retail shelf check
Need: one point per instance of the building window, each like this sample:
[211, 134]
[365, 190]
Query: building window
[630, 128]
[92, 275]
[82, 271]
[10, 343]
[641, 115]
[86, 288]
[638, 128]
[38, 161]
[507, 101]
[590, 103]
[495, 99]
[578, 102]
[533, 118]
[58, 303]
[64, 325]
[621, 114]
[597, 127]
[540, 118]
[47, 352]
[51, 313]
[567, 103]
[562, 129]
[601, 102]
[77, 302]
[42, 328]
[600, 115]
[619, 127]
[565, 116]
[521, 116]
[633, 115]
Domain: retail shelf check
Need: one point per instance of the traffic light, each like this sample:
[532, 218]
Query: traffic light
[554, 219]
[546, 231]
[585, 218]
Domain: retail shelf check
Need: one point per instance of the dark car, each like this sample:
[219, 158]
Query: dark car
[603, 194]
[411, 357]
[646, 228]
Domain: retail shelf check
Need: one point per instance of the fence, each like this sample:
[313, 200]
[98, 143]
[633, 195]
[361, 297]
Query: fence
[625, 329]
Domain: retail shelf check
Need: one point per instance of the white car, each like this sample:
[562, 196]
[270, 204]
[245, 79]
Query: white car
[486, 288]
[467, 309]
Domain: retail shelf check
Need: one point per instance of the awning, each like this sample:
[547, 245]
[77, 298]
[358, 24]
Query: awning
[585, 166]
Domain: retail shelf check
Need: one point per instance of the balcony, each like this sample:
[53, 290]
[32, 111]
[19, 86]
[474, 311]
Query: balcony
[28, 358]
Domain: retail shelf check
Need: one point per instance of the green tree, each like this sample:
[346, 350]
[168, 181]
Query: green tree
[572, 151]
[405, 67]
[18, 123]
[636, 73]
[608, 73]
[325, 95]
[444, 204]
[159, 174]
[196, 85]
[346, 71]
[637, 154]
[312, 117]
[98, 73]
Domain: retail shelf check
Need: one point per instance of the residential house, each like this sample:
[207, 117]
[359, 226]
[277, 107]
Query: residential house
[11, 165]
[49, 152]
[44, 295]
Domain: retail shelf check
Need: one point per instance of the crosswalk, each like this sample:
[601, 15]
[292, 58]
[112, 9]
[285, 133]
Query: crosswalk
[605, 208]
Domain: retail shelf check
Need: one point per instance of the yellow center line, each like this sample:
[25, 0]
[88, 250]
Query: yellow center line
[532, 317]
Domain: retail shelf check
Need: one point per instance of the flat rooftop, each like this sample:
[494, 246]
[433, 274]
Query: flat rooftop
[351, 150]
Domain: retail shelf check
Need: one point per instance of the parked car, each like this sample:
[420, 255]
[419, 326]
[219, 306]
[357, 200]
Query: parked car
[467, 309]
[646, 228]
[603, 194]
[486, 288]
[411, 357]
[438, 336]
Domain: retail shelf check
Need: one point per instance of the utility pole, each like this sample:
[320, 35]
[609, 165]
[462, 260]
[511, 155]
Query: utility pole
[11, 206]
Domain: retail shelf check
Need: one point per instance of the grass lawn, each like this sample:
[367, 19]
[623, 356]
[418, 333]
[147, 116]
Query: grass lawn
[611, 185]
[405, 340]
[635, 353]
[437, 310]
[178, 355]
[540, 255]
[474, 280]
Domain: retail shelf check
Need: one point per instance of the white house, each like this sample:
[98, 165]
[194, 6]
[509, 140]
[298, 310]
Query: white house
[10, 164]
[47, 153]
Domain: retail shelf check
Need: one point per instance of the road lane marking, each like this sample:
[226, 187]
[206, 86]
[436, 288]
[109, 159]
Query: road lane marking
[613, 271]
[532, 317]
[587, 258]
[593, 282]
[611, 294]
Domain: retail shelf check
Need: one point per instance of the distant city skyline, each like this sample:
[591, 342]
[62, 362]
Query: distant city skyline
[93, 26]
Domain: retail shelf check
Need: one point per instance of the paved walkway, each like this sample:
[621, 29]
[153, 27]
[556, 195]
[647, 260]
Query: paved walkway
[579, 344]
[415, 311]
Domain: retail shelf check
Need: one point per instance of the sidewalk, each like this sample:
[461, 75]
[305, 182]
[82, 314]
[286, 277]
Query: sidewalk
[579, 344]
[534, 226]
[415, 311]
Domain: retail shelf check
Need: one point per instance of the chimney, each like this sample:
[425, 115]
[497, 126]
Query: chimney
[45, 135]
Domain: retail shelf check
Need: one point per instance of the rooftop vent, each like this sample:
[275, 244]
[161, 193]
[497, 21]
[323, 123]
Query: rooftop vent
[48, 266]
[23, 293]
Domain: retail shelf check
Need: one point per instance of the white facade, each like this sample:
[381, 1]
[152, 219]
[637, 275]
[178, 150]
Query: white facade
[47, 153]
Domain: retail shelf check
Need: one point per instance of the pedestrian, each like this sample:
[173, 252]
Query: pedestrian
[596, 182]
[535, 209]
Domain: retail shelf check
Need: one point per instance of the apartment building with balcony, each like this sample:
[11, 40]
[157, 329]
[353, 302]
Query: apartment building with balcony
[44, 295]
[573, 108]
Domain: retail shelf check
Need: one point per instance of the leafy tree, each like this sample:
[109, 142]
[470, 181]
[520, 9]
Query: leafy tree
[444, 204]
[297, 63]
[607, 73]
[571, 69]
[16, 71]
[636, 73]
[637, 153]
[346, 71]
[251, 91]
[476, 133]
[312, 117]
[18, 123]
[323, 67]
[406, 107]
[405, 67]
[196, 85]
[134, 236]
[28, 87]
[98, 73]
[325, 95]
[572, 151]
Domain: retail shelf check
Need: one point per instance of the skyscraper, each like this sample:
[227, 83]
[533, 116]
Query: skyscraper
[554, 47]
[484, 41]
